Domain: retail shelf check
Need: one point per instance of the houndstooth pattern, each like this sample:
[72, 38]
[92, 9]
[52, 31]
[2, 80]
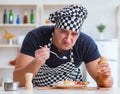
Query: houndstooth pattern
[48, 76]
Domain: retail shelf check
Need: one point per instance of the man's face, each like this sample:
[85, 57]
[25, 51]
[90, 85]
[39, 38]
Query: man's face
[64, 39]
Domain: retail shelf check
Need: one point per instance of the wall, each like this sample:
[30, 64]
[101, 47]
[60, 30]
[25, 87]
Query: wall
[99, 11]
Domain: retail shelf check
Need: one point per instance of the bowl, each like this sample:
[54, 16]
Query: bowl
[11, 86]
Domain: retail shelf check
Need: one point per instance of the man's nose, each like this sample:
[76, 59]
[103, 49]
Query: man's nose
[68, 38]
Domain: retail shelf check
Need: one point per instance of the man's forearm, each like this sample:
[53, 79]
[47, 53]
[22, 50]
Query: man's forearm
[18, 74]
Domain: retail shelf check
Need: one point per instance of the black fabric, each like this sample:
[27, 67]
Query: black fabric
[84, 49]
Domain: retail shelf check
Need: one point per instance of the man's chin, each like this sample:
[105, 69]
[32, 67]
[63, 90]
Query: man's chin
[67, 48]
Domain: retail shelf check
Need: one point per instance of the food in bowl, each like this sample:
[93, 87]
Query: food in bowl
[70, 83]
[66, 82]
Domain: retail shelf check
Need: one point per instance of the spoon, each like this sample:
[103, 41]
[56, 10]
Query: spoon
[64, 57]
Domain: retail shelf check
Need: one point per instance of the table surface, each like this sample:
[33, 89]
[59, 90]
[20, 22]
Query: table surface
[61, 91]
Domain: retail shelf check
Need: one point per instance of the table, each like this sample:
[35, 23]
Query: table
[61, 91]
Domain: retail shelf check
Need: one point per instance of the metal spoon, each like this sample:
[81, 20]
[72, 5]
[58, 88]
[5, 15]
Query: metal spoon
[64, 57]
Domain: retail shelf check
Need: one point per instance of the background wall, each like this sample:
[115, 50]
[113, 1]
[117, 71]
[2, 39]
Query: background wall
[99, 12]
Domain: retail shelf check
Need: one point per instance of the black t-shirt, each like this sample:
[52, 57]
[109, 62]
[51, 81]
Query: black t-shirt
[84, 49]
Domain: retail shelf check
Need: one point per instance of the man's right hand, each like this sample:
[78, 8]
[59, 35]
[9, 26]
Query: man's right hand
[42, 54]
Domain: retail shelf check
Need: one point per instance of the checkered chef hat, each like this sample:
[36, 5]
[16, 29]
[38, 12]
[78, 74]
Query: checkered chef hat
[70, 18]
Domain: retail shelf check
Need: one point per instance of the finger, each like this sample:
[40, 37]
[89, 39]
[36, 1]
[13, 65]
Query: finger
[43, 54]
[42, 50]
[104, 65]
[45, 46]
[105, 71]
[42, 58]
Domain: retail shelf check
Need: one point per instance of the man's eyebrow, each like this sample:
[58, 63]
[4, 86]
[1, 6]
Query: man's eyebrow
[68, 31]
[64, 30]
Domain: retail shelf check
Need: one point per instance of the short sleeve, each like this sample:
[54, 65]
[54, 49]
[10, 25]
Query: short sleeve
[29, 44]
[90, 50]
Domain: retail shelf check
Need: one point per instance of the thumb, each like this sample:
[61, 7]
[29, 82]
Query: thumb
[45, 46]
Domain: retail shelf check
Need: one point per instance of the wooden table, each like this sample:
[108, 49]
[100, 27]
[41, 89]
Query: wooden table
[62, 91]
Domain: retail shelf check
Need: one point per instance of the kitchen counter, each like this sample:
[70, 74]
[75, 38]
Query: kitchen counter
[61, 91]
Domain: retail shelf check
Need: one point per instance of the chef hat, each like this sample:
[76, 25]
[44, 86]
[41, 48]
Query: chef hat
[70, 18]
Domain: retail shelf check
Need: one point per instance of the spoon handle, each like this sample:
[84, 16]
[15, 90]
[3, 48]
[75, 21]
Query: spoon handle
[64, 57]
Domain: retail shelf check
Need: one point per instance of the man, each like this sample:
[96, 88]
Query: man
[66, 40]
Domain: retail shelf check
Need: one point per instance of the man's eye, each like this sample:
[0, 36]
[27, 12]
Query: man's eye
[63, 30]
[75, 34]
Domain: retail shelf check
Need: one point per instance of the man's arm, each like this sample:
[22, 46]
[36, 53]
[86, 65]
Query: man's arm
[101, 74]
[26, 63]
